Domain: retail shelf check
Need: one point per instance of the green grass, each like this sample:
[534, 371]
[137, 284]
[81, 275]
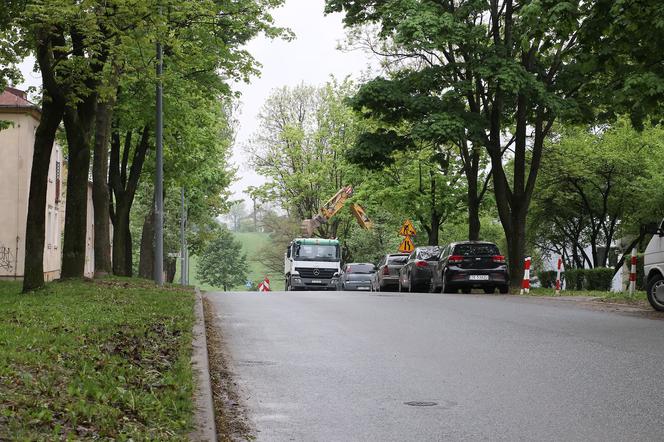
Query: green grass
[252, 243]
[639, 296]
[108, 359]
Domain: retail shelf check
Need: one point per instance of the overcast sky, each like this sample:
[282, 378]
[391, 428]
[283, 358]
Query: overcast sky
[310, 58]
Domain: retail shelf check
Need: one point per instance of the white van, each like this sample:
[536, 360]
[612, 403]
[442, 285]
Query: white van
[653, 266]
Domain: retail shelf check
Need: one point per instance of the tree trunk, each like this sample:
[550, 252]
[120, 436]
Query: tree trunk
[146, 261]
[516, 247]
[473, 216]
[78, 125]
[100, 190]
[122, 266]
[124, 184]
[33, 276]
[170, 267]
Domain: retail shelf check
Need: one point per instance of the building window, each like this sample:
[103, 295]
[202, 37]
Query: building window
[57, 182]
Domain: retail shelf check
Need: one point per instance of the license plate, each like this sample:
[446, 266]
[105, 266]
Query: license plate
[316, 281]
[478, 277]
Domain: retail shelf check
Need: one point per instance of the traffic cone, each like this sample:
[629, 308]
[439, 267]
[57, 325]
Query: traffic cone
[525, 284]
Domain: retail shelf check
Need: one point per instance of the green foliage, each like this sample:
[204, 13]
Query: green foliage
[105, 360]
[548, 278]
[223, 263]
[574, 279]
[598, 279]
[596, 186]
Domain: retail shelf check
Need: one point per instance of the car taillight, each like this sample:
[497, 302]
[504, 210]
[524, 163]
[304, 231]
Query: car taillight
[421, 264]
[499, 259]
[455, 259]
[386, 270]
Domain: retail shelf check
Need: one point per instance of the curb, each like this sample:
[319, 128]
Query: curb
[204, 408]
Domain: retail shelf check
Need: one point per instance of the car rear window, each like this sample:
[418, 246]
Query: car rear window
[429, 254]
[476, 250]
[397, 260]
[360, 268]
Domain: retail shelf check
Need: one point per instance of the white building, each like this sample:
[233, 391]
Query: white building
[16, 148]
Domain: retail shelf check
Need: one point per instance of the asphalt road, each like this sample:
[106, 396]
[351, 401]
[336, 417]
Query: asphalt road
[341, 366]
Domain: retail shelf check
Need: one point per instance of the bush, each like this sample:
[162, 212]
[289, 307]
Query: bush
[598, 279]
[574, 279]
[547, 278]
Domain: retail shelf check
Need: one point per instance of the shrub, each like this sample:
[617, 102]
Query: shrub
[547, 278]
[574, 279]
[598, 279]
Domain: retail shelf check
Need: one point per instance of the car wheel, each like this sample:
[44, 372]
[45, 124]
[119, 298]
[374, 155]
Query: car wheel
[653, 284]
[489, 290]
[504, 289]
[445, 287]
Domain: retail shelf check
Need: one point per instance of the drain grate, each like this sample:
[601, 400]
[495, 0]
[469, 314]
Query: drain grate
[421, 403]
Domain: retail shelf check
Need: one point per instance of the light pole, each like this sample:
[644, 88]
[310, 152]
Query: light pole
[159, 179]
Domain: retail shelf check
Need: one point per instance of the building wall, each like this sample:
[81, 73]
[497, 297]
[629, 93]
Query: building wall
[16, 148]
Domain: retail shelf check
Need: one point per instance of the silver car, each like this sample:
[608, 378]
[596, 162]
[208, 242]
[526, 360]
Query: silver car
[387, 273]
[357, 276]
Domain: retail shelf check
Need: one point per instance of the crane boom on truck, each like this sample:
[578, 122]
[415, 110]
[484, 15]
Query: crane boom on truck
[332, 207]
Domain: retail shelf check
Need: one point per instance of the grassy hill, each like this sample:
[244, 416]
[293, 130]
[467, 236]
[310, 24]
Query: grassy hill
[251, 244]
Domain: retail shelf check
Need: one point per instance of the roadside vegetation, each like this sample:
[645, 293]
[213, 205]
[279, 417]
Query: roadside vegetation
[105, 359]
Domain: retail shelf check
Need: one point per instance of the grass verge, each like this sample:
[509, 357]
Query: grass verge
[638, 297]
[106, 359]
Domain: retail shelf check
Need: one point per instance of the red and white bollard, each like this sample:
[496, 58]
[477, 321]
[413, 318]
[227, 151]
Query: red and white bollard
[525, 284]
[560, 265]
[264, 286]
[632, 273]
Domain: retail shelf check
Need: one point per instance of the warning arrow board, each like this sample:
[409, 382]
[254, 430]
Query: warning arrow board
[407, 229]
[406, 245]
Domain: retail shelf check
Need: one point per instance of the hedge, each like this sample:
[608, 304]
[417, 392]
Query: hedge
[548, 278]
[598, 279]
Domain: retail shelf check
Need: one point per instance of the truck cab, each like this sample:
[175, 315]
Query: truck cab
[312, 264]
[653, 267]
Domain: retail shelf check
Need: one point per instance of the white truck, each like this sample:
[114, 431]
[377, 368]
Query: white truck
[653, 267]
[312, 264]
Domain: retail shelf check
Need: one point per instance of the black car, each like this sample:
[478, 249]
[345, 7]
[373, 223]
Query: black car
[415, 275]
[357, 276]
[470, 264]
[387, 274]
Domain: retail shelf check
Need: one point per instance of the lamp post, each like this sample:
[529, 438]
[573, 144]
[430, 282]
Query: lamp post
[159, 179]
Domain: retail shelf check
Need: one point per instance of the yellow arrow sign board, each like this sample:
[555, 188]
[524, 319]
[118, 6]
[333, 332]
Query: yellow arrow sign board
[406, 245]
[407, 229]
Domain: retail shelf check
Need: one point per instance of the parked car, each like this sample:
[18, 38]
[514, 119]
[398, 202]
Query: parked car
[415, 275]
[653, 267]
[387, 273]
[470, 264]
[357, 276]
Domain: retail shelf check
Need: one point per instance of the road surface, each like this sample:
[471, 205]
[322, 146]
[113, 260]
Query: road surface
[344, 366]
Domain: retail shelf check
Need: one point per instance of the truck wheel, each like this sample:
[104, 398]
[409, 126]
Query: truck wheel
[653, 284]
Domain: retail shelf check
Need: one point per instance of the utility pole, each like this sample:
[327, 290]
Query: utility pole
[183, 242]
[159, 179]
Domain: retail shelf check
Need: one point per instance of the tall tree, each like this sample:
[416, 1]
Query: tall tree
[504, 70]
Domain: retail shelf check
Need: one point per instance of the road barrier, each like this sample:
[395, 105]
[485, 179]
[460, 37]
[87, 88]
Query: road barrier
[525, 284]
[560, 265]
[264, 286]
[632, 273]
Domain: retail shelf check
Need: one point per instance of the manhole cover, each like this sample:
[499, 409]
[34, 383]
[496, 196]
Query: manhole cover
[421, 403]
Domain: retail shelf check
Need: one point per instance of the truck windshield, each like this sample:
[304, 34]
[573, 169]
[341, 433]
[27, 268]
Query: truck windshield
[312, 252]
